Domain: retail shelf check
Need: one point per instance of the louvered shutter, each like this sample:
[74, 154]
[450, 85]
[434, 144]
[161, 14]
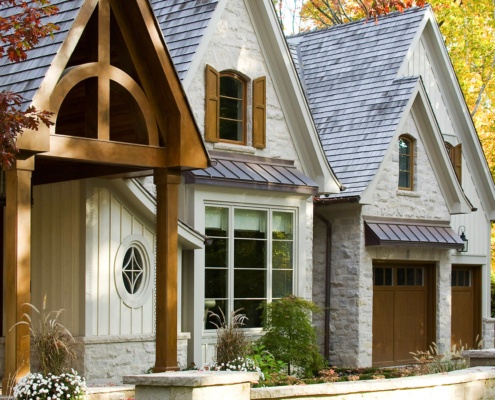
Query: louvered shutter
[457, 161]
[259, 113]
[212, 104]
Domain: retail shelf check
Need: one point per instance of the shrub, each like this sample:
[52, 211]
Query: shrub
[232, 340]
[432, 361]
[266, 361]
[290, 336]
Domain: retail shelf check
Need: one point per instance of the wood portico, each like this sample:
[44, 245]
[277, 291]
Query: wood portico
[119, 110]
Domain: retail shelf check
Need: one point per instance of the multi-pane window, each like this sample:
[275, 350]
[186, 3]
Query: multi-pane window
[405, 163]
[232, 108]
[250, 260]
[402, 276]
[461, 278]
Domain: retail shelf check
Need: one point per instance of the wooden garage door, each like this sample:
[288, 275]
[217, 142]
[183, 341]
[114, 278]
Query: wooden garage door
[402, 310]
[466, 305]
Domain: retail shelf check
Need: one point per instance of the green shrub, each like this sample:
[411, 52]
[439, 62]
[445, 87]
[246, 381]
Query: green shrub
[289, 335]
[265, 361]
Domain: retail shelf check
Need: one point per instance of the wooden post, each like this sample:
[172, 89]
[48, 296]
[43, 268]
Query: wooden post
[167, 198]
[17, 271]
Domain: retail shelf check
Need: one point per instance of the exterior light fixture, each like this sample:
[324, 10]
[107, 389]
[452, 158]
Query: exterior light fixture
[462, 234]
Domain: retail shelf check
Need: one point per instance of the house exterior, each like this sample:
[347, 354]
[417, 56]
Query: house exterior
[184, 138]
[390, 267]
[97, 231]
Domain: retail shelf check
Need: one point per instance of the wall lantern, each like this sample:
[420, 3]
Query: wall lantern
[462, 234]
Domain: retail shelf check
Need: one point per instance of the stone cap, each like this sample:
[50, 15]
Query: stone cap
[484, 353]
[192, 378]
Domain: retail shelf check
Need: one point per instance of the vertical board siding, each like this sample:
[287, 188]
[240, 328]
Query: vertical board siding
[475, 222]
[115, 222]
[57, 260]
[420, 64]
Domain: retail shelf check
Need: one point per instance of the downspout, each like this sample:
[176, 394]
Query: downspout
[328, 268]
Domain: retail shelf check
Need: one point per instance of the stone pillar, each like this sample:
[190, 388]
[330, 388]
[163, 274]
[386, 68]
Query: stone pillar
[17, 270]
[167, 219]
[192, 385]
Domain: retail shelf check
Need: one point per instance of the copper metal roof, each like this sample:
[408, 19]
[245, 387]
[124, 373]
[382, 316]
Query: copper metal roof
[411, 234]
[253, 173]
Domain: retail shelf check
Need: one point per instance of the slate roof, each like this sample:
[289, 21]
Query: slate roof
[25, 77]
[183, 23]
[349, 75]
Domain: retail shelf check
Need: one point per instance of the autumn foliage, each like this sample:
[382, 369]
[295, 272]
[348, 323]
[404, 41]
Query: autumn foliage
[21, 28]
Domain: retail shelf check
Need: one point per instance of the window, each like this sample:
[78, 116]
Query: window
[455, 156]
[406, 163]
[134, 273]
[250, 260]
[227, 108]
[232, 108]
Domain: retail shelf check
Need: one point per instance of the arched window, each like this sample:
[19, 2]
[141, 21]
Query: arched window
[406, 163]
[232, 108]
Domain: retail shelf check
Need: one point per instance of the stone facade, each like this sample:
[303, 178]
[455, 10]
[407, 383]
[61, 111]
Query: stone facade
[101, 357]
[234, 46]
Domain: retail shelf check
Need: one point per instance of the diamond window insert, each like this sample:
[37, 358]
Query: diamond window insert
[134, 270]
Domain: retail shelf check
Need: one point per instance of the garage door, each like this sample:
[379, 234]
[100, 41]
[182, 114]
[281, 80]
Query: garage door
[466, 305]
[403, 309]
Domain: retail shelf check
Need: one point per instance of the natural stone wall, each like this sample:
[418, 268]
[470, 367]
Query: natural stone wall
[488, 333]
[473, 384]
[350, 323]
[241, 52]
[425, 201]
[107, 359]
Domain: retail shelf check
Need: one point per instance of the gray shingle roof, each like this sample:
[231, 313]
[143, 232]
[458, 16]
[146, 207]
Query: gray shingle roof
[183, 23]
[25, 77]
[349, 74]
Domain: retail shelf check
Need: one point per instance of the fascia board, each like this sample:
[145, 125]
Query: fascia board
[292, 98]
[419, 108]
[461, 117]
[203, 46]
[437, 154]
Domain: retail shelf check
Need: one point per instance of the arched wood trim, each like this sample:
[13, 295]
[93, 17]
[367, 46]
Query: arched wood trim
[77, 74]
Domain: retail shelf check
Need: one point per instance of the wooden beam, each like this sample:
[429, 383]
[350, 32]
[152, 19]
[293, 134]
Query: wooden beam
[167, 199]
[17, 269]
[103, 152]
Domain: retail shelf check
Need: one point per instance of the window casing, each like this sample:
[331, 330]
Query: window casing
[250, 260]
[227, 107]
[406, 163]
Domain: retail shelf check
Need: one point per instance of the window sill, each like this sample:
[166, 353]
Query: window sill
[234, 147]
[408, 193]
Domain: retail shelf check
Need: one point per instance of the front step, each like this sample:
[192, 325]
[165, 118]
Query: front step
[110, 393]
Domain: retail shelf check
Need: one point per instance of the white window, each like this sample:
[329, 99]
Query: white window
[250, 259]
[134, 272]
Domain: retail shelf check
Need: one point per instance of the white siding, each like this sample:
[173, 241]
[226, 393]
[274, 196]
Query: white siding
[111, 220]
[420, 64]
[57, 259]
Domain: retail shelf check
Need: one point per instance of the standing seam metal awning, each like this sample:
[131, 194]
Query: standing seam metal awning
[408, 234]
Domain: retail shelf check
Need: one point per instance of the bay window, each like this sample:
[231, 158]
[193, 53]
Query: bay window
[250, 260]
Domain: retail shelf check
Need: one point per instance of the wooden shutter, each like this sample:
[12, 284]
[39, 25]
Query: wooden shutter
[212, 104]
[457, 161]
[259, 113]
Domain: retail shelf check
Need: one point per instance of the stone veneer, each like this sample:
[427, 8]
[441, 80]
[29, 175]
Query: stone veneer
[106, 359]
